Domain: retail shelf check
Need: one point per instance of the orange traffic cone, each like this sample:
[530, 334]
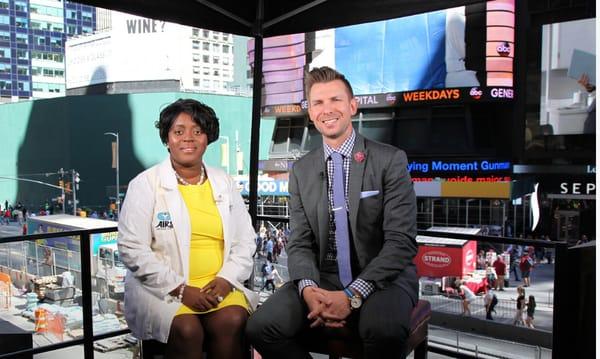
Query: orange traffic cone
[41, 322]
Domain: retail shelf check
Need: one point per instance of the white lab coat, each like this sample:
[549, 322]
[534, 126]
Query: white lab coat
[154, 242]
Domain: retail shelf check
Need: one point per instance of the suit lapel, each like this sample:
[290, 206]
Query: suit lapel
[357, 169]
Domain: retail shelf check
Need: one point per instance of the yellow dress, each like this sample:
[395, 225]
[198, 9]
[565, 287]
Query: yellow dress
[206, 247]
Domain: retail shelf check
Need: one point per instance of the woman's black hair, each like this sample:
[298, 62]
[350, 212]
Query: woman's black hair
[203, 115]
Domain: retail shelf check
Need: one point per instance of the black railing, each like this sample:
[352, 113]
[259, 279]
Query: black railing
[559, 299]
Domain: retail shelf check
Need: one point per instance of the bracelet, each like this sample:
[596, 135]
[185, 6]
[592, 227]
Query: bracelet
[180, 295]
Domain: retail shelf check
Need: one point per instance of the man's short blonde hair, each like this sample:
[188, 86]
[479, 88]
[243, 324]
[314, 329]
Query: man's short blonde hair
[322, 75]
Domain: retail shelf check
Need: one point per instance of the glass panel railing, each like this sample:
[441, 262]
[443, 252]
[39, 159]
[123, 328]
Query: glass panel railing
[42, 295]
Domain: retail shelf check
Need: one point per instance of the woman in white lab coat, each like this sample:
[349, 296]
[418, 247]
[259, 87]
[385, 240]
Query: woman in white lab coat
[187, 241]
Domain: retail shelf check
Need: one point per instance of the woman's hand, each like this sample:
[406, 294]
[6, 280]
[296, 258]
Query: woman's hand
[219, 287]
[197, 299]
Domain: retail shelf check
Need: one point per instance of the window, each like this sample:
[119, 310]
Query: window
[206, 70]
[195, 44]
[205, 46]
[72, 14]
[41, 41]
[205, 33]
[4, 20]
[215, 35]
[216, 72]
[215, 59]
[4, 53]
[5, 85]
[216, 84]
[216, 47]
[22, 38]
[205, 83]
[196, 69]
[225, 49]
[22, 70]
[21, 22]
[3, 4]
[196, 82]
[20, 6]
[195, 32]
[86, 30]
[225, 37]
[4, 36]
[288, 135]
[4, 68]
[225, 60]
[86, 16]
[205, 59]
[22, 54]
[56, 41]
[23, 86]
[195, 58]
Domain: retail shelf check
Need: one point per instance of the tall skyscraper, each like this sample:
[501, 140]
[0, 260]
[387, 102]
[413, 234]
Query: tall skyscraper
[32, 45]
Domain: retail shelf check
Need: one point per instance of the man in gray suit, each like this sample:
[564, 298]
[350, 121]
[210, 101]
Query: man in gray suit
[350, 252]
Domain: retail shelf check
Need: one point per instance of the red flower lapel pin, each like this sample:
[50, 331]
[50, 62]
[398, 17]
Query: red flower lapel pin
[359, 157]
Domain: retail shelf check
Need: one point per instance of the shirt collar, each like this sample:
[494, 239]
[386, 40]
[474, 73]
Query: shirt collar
[345, 149]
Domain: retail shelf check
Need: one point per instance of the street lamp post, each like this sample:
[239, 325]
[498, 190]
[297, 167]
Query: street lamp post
[116, 154]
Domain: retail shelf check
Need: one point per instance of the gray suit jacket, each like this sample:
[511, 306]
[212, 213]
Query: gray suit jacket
[383, 226]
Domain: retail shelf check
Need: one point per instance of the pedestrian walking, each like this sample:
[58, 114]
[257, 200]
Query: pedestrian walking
[520, 306]
[530, 312]
[490, 299]
[526, 265]
[468, 297]
[500, 268]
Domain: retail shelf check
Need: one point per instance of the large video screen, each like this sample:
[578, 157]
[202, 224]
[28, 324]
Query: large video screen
[463, 54]
[568, 79]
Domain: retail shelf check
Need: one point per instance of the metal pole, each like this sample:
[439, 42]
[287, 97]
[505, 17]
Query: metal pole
[118, 202]
[74, 189]
[256, 108]
[86, 290]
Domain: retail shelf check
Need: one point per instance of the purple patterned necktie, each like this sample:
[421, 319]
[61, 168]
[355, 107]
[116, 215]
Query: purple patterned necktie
[341, 220]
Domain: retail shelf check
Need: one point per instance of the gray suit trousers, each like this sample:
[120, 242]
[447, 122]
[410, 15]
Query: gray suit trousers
[383, 322]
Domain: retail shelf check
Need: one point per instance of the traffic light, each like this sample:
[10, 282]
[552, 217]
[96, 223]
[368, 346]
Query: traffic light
[76, 180]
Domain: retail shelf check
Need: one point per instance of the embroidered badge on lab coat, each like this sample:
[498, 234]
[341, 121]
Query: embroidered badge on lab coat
[164, 221]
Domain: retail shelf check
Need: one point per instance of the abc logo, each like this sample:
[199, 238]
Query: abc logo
[390, 98]
[504, 49]
[475, 93]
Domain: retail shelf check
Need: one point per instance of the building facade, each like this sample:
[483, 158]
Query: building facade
[133, 51]
[32, 45]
